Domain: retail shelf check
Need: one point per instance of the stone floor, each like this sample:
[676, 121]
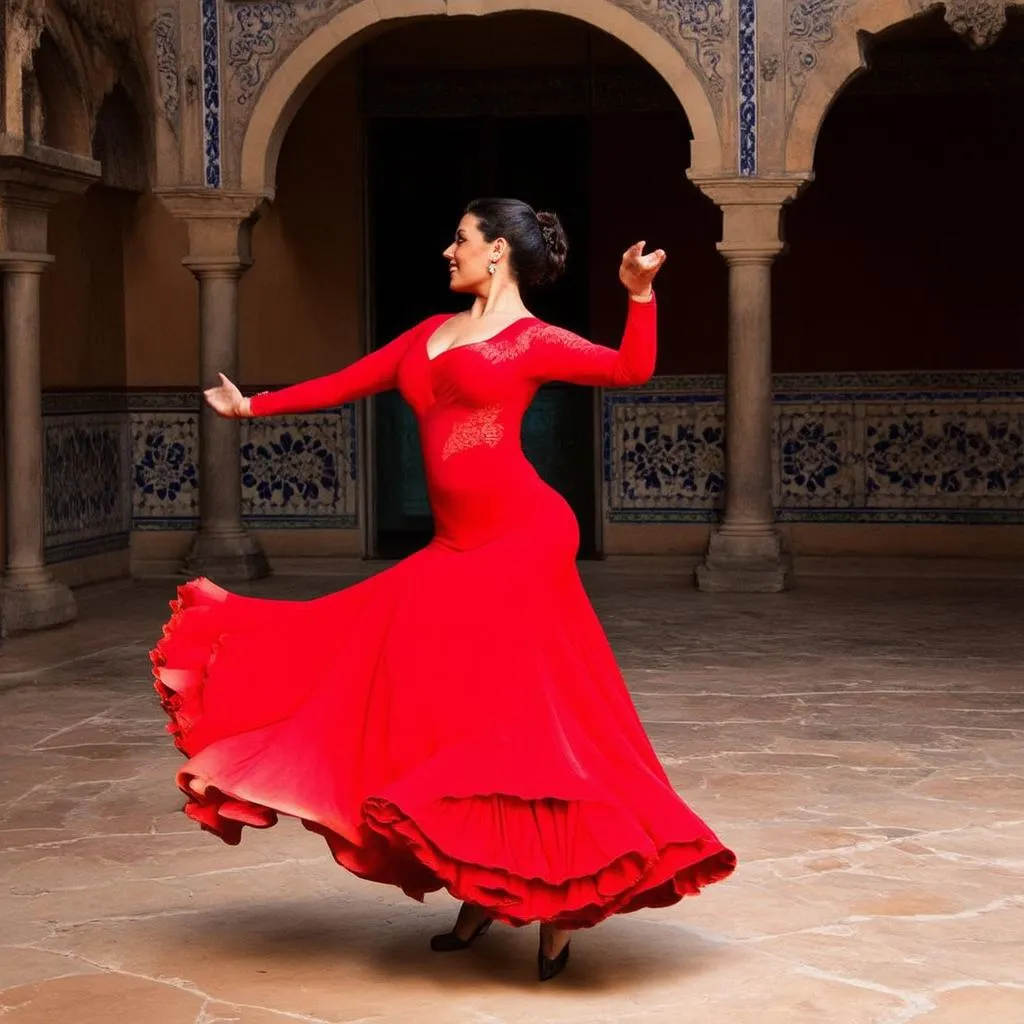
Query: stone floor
[860, 743]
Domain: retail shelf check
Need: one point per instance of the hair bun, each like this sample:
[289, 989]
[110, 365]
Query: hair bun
[555, 242]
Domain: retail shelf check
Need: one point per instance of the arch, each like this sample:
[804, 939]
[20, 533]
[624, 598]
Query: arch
[840, 60]
[119, 142]
[61, 120]
[296, 77]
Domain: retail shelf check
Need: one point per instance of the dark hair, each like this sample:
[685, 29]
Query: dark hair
[537, 241]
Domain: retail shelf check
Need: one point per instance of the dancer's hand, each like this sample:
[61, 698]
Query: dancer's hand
[638, 271]
[227, 400]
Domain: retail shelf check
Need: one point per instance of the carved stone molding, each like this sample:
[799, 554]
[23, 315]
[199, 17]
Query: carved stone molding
[166, 36]
[698, 29]
[258, 36]
[810, 26]
[978, 21]
[253, 39]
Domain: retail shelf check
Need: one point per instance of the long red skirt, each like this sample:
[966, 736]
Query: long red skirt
[441, 725]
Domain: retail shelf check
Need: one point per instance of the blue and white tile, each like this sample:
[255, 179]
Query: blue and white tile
[211, 92]
[85, 484]
[816, 464]
[165, 455]
[906, 447]
[300, 471]
[665, 456]
[945, 455]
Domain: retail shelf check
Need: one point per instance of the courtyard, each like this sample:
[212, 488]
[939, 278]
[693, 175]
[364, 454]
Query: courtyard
[858, 741]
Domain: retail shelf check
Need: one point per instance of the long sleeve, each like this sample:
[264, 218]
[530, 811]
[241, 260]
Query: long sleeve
[561, 355]
[375, 372]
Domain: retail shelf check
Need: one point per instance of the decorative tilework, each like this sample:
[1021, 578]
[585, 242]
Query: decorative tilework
[165, 33]
[85, 476]
[165, 454]
[899, 448]
[848, 447]
[747, 87]
[300, 471]
[665, 456]
[296, 471]
[816, 466]
[949, 456]
[211, 92]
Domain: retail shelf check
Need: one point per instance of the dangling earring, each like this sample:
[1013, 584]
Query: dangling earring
[492, 268]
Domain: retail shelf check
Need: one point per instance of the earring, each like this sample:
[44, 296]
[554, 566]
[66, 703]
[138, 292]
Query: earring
[492, 268]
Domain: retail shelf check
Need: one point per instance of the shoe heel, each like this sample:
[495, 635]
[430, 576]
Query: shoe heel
[449, 942]
[551, 968]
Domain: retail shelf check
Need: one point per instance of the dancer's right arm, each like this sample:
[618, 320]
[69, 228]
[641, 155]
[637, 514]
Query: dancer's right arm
[375, 372]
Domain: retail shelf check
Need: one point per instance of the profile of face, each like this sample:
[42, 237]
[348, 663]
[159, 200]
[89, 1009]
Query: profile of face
[470, 256]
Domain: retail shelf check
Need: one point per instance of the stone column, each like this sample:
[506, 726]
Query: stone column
[32, 180]
[219, 226]
[746, 554]
[32, 598]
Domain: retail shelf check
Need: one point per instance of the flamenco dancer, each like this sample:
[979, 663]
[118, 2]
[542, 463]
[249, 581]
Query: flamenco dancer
[457, 721]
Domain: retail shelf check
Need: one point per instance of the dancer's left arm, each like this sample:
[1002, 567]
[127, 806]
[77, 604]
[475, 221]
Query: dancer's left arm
[557, 354]
[561, 355]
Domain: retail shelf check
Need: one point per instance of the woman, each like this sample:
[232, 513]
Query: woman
[457, 721]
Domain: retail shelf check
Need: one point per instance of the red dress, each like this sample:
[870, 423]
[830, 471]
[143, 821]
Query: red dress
[457, 721]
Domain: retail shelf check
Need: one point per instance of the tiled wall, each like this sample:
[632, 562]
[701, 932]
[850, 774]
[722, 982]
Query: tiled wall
[908, 448]
[117, 462]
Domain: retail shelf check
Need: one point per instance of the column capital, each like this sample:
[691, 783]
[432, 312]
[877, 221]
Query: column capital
[208, 268]
[189, 203]
[742, 253]
[735, 191]
[219, 225]
[751, 214]
[32, 180]
[24, 262]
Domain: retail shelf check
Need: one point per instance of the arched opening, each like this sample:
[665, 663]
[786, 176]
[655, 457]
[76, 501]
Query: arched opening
[293, 81]
[55, 113]
[372, 178]
[119, 142]
[904, 253]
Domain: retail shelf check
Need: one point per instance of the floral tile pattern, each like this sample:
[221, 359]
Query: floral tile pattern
[898, 448]
[846, 448]
[300, 471]
[165, 455]
[947, 456]
[296, 471]
[665, 456]
[86, 507]
[816, 466]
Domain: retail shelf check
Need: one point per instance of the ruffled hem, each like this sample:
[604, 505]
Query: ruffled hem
[391, 848]
[419, 844]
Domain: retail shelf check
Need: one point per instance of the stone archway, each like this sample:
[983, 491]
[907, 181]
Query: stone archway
[57, 113]
[295, 78]
[836, 62]
[838, 55]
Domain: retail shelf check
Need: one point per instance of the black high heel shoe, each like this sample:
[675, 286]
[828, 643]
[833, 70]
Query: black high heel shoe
[551, 968]
[449, 942]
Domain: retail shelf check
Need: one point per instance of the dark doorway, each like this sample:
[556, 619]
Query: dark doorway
[421, 172]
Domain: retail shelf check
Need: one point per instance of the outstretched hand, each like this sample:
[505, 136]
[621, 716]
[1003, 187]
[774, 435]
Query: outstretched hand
[638, 271]
[226, 399]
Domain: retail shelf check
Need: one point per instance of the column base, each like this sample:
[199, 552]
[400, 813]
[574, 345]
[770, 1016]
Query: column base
[745, 561]
[226, 556]
[34, 601]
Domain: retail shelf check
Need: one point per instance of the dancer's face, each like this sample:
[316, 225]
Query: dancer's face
[470, 255]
